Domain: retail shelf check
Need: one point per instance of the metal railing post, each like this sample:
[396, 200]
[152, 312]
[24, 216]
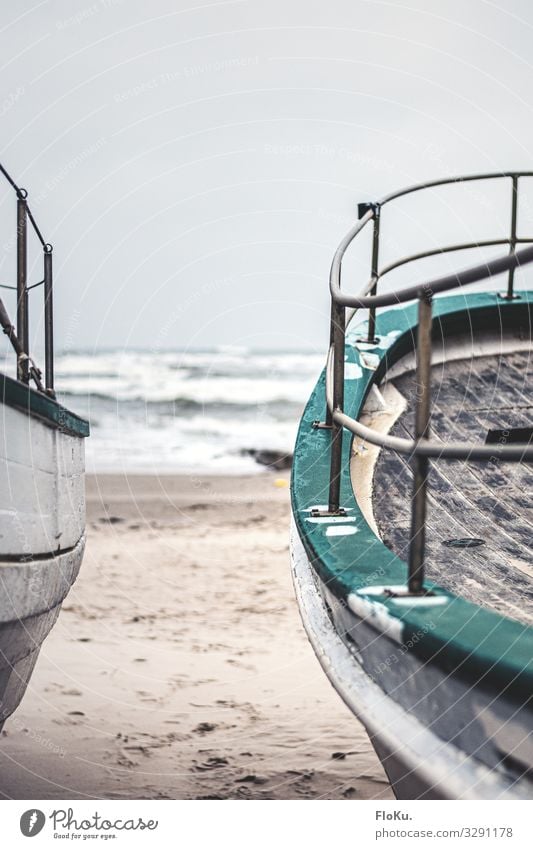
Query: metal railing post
[48, 321]
[374, 274]
[329, 420]
[422, 426]
[22, 290]
[362, 210]
[512, 245]
[338, 333]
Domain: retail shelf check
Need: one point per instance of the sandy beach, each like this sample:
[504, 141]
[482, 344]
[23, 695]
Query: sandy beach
[179, 668]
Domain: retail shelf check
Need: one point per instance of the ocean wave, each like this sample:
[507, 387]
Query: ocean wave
[202, 411]
[200, 443]
[237, 391]
[119, 363]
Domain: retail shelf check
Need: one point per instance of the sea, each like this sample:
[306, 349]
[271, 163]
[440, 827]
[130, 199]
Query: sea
[207, 412]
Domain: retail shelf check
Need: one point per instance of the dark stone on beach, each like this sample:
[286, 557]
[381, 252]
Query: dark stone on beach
[112, 520]
[211, 797]
[251, 779]
[276, 460]
[204, 727]
[349, 793]
[338, 756]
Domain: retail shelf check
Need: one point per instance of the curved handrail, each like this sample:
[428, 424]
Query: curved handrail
[19, 339]
[437, 450]
[449, 181]
[435, 286]
[373, 211]
[421, 448]
[463, 246]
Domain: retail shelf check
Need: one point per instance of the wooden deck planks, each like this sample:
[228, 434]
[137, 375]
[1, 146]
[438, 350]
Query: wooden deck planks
[493, 502]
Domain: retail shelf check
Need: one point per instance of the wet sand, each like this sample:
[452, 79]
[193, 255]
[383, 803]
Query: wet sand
[179, 668]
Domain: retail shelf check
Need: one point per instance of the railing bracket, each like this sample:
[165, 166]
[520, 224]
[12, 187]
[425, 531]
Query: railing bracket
[364, 340]
[325, 514]
[317, 425]
[367, 206]
[407, 593]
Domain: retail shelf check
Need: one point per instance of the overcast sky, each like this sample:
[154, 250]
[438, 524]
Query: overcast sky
[195, 163]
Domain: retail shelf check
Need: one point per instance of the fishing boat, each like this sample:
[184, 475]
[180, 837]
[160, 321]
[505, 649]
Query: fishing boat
[42, 493]
[412, 513]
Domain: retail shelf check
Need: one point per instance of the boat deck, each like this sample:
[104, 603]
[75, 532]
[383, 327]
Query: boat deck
[488, 505]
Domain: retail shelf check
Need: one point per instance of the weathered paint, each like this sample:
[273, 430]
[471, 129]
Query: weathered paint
[42, 496]
[459, 637]
[31, 594]
[42, 523]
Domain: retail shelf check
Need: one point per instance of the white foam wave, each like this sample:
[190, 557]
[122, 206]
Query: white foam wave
[139, 406]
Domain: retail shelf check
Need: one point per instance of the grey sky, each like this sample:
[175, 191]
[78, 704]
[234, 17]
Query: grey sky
[195, 164]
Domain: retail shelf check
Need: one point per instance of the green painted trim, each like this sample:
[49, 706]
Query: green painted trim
[461, 638]
[28, 400]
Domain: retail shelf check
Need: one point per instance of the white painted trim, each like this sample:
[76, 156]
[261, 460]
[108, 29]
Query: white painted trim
[380, 412]
[377, 615]
[481, 345]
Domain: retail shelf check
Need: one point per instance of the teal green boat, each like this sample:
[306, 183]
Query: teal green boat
[413, 516]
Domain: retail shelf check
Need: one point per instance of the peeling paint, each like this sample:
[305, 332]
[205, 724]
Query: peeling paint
[352, 371]
[370, 361]
[377, 615]
[340, 530]
[405, 600]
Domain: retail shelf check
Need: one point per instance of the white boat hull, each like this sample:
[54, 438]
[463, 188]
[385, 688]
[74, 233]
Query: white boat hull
[419, 763]
[42, 524]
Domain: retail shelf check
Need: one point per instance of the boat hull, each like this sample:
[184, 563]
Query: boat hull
[443, 684]
[419, 763]
[42, 526]
[30, 600]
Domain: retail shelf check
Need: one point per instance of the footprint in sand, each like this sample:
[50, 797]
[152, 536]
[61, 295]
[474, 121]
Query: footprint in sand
[211, 763]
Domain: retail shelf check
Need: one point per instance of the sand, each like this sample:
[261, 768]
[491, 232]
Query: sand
[179, 668]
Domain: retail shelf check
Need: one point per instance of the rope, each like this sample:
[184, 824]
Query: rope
[22, 194]
[28, 288]
[9, 178]
[22, 356]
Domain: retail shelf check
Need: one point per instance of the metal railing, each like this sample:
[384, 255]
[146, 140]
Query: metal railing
[19, 337]
[421, 448]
